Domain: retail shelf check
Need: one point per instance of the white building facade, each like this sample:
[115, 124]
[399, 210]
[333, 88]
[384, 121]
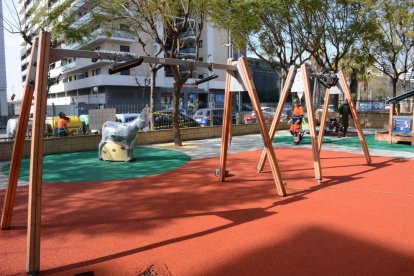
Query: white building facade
[84, 82]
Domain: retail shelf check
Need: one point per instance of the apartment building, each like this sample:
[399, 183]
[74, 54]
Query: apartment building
[84, 81]
[3, 79]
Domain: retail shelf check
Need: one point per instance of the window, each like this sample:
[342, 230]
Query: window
[125, 72]
[200, 44]
[96, 71]
[124, 48]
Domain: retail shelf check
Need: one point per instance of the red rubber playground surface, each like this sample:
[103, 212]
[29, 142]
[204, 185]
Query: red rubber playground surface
[185, 222]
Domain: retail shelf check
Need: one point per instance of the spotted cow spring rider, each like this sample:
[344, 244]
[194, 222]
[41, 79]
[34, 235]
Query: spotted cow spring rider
[118, 139]
[296, 122]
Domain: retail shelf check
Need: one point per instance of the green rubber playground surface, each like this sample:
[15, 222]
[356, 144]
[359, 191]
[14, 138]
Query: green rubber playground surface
[350, 142]
[86, 166]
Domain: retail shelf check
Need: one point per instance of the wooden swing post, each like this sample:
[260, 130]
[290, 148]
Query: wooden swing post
[348, 96]
[311, 119]
[36, 160]
[18, 146]
[323, 118]
[273, 127]
[247, 80]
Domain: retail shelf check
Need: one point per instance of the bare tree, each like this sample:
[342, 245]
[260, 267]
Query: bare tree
[13, 24]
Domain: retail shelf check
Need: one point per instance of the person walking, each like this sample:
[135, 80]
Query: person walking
[344, 112]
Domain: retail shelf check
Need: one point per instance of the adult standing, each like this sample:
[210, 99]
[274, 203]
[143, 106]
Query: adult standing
[344, 112]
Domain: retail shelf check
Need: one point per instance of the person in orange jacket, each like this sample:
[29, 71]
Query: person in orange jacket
[63, 125]
[296, 121]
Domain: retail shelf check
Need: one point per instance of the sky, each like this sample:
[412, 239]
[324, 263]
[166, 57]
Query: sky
[12, 52]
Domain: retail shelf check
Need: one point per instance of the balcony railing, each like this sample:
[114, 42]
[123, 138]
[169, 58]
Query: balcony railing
[102, 34]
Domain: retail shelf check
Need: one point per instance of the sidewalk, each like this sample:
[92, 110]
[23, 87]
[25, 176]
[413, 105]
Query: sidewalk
[208, 148]
[200, 149]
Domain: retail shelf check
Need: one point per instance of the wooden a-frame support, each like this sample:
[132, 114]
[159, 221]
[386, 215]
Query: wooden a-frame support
[309, 106]
[247, 80]
[36, 83]
[37, 80]
[348, 96]
[316, 142]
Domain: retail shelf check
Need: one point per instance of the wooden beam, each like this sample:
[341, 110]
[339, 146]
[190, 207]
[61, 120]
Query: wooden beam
[273, 128]
[58, 54]
[251, 89]
[311, 118]
[348, 95]
[18, 145]
[226, 126]
[36, 156]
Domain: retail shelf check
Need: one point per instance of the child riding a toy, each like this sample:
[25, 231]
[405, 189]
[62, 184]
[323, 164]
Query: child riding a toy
[296, 122]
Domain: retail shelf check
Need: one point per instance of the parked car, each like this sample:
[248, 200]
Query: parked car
[163, 120]
[126, 117]
[170, 110]
[252, 119]
[211, 116]
[75, 126]
[268, 110]
[331, 108]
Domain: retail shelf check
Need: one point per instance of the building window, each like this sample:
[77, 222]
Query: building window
[96, 71]
[125, 72]
[200, 44]
[124, 48]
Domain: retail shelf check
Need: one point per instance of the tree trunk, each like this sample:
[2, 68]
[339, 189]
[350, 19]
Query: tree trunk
[394, 87]
[282, 80]
[176, 114]
[153, 95]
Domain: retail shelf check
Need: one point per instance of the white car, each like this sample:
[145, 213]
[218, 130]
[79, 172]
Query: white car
[330, 108]
[269, 110]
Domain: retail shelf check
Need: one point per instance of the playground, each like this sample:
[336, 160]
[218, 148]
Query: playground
[182, 221]
[167, 213]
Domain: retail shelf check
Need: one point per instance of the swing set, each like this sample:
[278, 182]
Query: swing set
[238, 78]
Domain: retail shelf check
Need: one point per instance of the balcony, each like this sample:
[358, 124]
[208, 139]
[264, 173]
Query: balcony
[81, 64]
[100, 80]
[101, 35]
[187, 53]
